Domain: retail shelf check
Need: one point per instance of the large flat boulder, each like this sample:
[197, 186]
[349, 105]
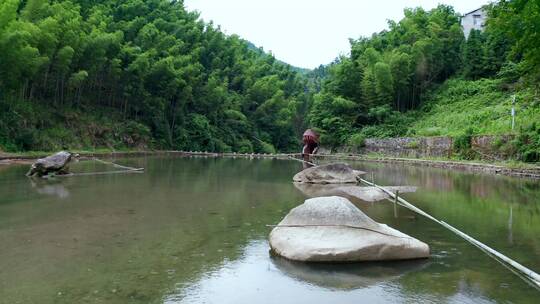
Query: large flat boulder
[365, 194]
[332, 229]
[338, 173]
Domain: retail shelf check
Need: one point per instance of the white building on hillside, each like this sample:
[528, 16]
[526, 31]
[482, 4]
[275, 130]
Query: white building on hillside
[474, 20]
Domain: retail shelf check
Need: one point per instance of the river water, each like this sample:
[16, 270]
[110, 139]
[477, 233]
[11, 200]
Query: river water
[193, 230]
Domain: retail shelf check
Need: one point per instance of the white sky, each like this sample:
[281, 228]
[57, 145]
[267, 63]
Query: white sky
[307, 33]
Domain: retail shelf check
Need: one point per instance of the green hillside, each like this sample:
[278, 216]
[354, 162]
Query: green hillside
[85, 74]
[481, 105]
[423, 78]
[132, 74]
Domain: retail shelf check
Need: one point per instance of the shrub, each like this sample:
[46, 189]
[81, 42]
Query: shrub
[413, 145]
[266, 148]
[217, 145]
[527, 143]
[462, 144]
[497, 143]
[357, 140]
[245, 146]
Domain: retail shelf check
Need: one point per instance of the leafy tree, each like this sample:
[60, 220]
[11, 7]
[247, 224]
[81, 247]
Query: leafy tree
[384, 83]
[516, 23]
[474, 56]
[153, 64]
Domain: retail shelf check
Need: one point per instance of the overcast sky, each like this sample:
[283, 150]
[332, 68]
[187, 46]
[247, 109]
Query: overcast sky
[307, 33]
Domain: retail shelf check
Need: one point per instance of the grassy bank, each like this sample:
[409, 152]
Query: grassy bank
[459, 105]
[483, 106]
[464, 108]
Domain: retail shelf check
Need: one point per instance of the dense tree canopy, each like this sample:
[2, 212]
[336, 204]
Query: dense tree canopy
[153, 62]
[392, 72]
[151, 73]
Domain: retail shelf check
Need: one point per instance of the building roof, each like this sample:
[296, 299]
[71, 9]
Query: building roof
[480, 8]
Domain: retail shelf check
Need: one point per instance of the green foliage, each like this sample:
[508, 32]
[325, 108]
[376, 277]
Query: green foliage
[407, 80]
[169, 79]
[527, 143]
[244, 146]
[483, 104]
[267, 148]
[462, 144]
[28, 126]
[357, 140]
[474, 56]
[332, 115]
[384, 85]
[518, 23]
[497, 143]
[387, 73]
[131, 73]
[413, 145]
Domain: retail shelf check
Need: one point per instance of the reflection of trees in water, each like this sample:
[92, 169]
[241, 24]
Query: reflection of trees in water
[501, 211]
[500, 188]
[205, 172]
[406, 175]
[504, 189]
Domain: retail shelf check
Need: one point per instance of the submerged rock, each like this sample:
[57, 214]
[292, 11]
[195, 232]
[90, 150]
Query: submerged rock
[332, 229]
[366, 194]
[374, 194]
[338, 173]
[57, 163]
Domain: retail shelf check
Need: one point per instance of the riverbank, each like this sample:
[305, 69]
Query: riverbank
[516, 169]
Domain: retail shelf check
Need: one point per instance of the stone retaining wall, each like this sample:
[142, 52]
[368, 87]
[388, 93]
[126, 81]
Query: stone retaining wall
[490, 146]
[427, 147]
[417, 147]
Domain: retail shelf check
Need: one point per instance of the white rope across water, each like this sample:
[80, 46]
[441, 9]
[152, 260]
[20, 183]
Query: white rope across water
[521, 271]
[528, 273]
[117, 165]
[125, 170]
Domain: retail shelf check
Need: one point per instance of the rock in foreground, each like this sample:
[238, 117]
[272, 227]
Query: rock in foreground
[57, 163]
[338, 173]
[332, 229]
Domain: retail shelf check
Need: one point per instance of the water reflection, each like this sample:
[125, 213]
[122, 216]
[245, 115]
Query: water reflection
[53, 187]
[477, 185]
[258, 278]
[354, 193]
[194, 231]
[346, 276]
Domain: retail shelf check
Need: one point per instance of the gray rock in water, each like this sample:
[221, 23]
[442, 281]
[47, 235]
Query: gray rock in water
[57, 163]
[338, 173]
[332, 229]
[366, 194]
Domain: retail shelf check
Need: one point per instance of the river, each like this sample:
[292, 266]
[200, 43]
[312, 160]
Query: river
[193, 230]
